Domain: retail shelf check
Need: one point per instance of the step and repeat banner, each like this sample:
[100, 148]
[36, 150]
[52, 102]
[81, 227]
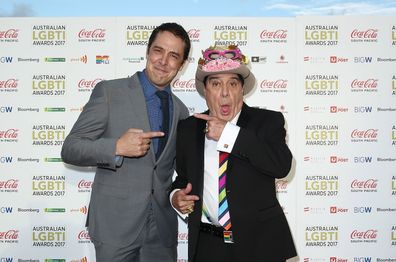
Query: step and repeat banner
[333, 78]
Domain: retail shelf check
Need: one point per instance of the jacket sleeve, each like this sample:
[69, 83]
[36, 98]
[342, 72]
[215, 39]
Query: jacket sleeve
[263, 146]
[85, 144]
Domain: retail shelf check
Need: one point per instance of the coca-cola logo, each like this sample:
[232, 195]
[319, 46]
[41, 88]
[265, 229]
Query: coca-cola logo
[369, 183]
[10, 183]
[368, 234]
[9, 83]
[281, 185]
[280, 83]
[182, 236]
[10, 234]
[277, 34]
[184, 83]
[369, 133]
[11, 133]
[194, 33]
[9, 34]
[368, 83]
[83, 235]
[83, 83]
[85, 184]
[96, 33]
[367, 34]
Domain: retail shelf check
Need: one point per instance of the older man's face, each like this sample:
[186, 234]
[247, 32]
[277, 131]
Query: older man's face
[224, 95]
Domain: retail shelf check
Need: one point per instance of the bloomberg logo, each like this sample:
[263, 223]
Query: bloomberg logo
[362, 209]
[6, 59]
[363, 59]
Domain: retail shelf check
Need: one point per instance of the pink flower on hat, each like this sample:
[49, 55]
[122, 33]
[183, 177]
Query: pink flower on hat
[221, 64]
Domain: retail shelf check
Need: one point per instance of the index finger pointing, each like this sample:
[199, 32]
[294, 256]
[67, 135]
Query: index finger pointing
[152, 134]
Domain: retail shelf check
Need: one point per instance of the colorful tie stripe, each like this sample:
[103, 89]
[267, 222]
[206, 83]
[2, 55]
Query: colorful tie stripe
[224, 214]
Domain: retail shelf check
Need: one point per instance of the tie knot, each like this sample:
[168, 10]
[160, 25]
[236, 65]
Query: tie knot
[162, 94]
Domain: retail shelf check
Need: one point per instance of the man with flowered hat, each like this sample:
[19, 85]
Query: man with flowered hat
[227, 161]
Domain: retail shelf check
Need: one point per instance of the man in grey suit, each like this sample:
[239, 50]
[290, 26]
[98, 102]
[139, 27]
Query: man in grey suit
[122, 131]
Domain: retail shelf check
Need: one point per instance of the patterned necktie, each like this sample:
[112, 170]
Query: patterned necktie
[224, 214]
[163, 95]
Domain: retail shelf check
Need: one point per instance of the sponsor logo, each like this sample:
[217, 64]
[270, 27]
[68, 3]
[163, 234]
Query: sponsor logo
[182, 237]
[315, 59]
[53, 159]
[321, 135]
[363, 109]
[337, 210]
[95, 35]
[82, 59]
[393, 135]
[28, 60]
[321, 236]
[6, 59]
[5, 109]
[366, 186]
[367, 135]
[368, 35]
[6, 159]
[84, 186]
[84, 259]
[393, 35]
[321, 35]
[338, 109]
[337, 259]
[393, 236]
[83, 237]
[82, 210]
[320, 185]
[179, 85]
[49, 236]
[281, 186]
[133, 60]
[393, 185]
[9, 36]
[335, 59]
[362, 210]
[315, 210]
[386, 59]
[282, 60]
[54, 59]
[86, 85]
[367, 236]
[49, 35]
[194, 34]
[225, 35]
[362, 159]
[10, 237]
[315, 159]
[9, 85]
[259, 59]
[337, 159]
[102, 59]
[275, 36]
[9, 135]
[362, 259]
[274, 86]
[363, 59]
[6, 210]
[28, 210]
[366, 85]
[9, 186]
[48, 186]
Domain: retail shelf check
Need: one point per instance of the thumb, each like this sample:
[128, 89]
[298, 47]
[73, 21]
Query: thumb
[188, 189]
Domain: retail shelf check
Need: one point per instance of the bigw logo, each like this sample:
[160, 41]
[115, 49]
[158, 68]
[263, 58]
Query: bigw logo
[363, 109]
[363, 159]
[6, 59]
[5, 210]
[6, 259]
[5, 109]
[362, 209]
[5, 159]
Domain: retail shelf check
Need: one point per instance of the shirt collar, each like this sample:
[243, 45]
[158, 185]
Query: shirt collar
[148, 88]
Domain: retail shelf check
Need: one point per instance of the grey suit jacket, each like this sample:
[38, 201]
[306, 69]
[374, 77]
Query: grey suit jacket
[121, 195]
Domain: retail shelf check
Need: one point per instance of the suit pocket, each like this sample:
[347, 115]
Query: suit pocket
[108, 190]
[268, 213]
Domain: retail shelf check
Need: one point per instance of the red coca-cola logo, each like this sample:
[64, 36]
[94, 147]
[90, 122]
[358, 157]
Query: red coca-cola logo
[368, 34]
[9, 184]
[281, 184]
[83, 235]
[10, 83]
[182, 236]
[280, 83]
[277, 34]
[10, 234]
[184, 83]
[369, 133]
[368, 234]
[10, 33]
[369, 83]
[369, 183]
[83, 83]
[85, 184]
[194, 33]
[96, 33]
[11, 133]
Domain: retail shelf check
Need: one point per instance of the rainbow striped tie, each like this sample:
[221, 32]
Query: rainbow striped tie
[224, 214]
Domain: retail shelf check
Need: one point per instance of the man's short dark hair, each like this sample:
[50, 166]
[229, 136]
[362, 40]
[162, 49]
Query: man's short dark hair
[176, 30]
[239, 77]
